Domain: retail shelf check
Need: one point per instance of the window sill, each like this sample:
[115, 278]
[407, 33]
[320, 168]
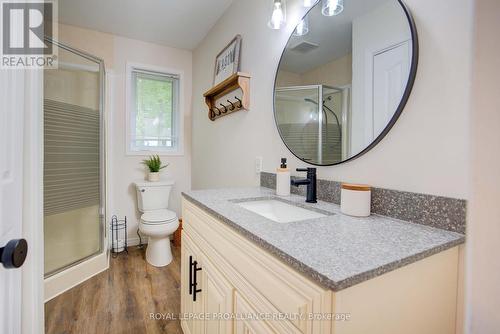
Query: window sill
[174, 153]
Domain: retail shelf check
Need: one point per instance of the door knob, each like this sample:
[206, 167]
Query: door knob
[14, 253]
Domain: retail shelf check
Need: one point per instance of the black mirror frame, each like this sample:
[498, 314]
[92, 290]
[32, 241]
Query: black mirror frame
[401, 106]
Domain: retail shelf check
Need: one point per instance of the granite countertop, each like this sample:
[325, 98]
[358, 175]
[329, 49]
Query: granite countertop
[336, 251]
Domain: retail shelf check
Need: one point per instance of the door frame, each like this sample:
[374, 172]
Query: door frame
[32, 309]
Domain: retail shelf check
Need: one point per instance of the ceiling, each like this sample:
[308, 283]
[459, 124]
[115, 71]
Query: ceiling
[175, 23]
[332, 34]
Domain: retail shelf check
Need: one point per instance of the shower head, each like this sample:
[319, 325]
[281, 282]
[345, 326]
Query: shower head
[310, 100]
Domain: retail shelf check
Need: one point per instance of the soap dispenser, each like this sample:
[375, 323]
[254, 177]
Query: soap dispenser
[283, 179]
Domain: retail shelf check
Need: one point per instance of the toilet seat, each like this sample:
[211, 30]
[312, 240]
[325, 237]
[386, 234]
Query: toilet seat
[158, 217]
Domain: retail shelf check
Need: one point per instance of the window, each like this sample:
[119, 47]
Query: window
[154, 112]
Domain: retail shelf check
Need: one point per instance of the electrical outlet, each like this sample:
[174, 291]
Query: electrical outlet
[258, 165]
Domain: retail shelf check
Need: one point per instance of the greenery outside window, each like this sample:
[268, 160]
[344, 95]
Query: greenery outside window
[153, 112]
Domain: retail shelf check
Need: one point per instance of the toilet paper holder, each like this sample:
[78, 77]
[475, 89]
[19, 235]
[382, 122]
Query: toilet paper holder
[119, 241]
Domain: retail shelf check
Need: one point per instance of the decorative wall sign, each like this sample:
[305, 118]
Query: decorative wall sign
[227, 61]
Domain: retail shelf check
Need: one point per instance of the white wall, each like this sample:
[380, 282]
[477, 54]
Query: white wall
[425, 151]
[336, 73]
[483, 229]
[124, 170]
[286, 78]
[369, 36]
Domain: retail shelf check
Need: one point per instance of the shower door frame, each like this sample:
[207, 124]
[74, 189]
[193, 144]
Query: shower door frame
[345, 91]
[64, 278]
[320, 114]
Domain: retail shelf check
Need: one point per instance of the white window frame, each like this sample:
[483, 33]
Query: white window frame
[130, 109]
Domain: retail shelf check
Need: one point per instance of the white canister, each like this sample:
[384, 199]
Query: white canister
[283, 182]
[355, 200]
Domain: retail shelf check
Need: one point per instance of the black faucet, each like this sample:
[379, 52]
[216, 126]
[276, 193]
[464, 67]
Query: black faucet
[310, 182]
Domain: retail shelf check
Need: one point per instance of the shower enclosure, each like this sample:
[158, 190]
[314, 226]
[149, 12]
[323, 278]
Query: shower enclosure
[73, 160]
[314, 121]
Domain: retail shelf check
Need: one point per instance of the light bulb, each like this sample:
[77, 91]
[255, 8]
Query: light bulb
[278, 16]
[302, 28]
[332, 7]
[309, 3]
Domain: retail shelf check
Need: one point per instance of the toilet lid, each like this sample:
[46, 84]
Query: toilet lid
[159, 216]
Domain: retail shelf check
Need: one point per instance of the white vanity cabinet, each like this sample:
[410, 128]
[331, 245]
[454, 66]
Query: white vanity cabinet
[207, 292]
[245, 289]
[235, 276]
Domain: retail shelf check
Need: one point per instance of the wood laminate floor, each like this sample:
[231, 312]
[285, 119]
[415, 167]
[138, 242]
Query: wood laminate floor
[120, 300]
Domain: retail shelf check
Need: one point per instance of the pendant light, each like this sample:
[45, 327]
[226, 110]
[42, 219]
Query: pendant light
[332, 7]
[278, 16]
[302, 28]
[309, 3]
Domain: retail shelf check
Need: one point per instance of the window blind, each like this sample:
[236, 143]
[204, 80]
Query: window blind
[153, 126]
[155, 74]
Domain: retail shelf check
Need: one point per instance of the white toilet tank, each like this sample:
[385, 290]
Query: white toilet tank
[153, 195]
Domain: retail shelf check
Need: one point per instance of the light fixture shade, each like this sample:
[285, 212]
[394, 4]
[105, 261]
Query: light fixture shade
[278, 15]
[302, 28]
[309, 3]
[332, 7]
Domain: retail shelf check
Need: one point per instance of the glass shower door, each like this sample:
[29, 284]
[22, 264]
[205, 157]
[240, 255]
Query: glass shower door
[73, 164]
[313, 121]
[299, 117]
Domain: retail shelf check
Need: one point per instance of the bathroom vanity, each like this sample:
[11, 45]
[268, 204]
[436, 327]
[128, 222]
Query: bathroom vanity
[248, 270]
[256, 263]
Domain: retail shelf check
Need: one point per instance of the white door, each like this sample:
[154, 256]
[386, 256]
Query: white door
[12, 88]
[391, 68]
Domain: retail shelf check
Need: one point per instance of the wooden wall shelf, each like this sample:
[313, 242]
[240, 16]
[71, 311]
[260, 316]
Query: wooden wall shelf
[228, 96]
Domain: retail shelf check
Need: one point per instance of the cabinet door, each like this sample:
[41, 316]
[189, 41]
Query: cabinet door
[246, 323]
[190, 310]
[217, 299]
[211, 312]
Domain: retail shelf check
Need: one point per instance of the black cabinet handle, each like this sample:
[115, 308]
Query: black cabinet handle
[14, 253]
[193, 278]
[190, 274]
[195, 284]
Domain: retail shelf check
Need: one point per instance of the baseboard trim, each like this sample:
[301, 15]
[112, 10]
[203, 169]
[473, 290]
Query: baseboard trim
[136, 241]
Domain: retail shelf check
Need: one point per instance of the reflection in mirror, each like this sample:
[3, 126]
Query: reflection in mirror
[343, 81]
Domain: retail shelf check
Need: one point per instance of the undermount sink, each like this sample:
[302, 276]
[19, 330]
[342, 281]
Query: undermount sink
[279, 211]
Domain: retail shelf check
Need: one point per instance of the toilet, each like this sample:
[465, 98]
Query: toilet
[157, 222]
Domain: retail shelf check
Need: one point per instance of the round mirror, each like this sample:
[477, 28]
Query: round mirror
[344, 78]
